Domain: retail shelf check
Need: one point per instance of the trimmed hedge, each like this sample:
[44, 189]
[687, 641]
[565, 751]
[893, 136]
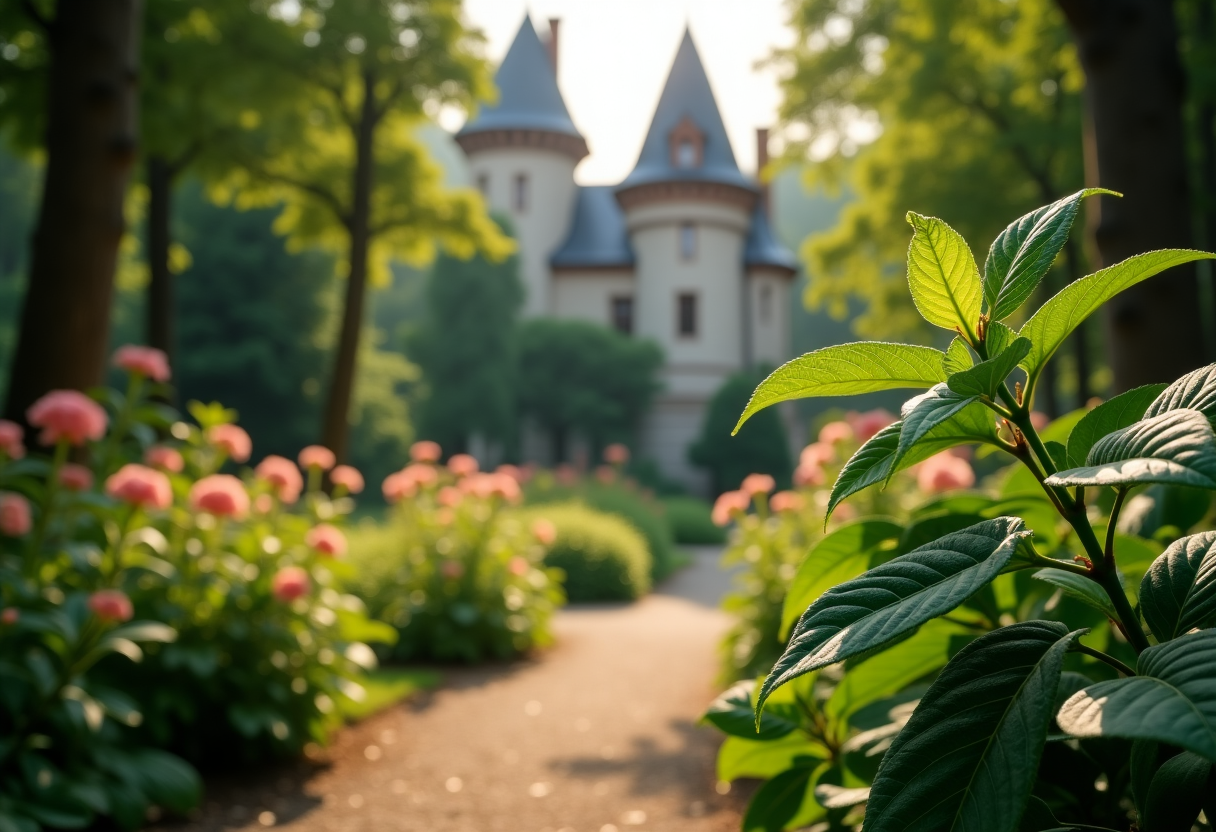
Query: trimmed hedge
[604, 557]
[691, 522]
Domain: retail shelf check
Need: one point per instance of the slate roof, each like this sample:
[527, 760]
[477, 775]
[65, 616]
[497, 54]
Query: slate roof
[763, 248]
[528, 95]
[597, 234]
[687, 93]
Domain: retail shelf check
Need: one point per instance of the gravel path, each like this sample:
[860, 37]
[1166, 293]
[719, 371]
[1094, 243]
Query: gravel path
[599, 734]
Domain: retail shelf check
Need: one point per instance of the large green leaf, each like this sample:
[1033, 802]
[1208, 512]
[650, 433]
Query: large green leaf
[777, 802]
[1175, 794]
[1023, 252]
[896, 597]
[923, 413]
[847, 370]
[967, 758]
[734, 713]
[984, 378]
[1178, 592]
[1080, 587]
[1196, 390]
[1049, 327]
[845, 553]
[740, 757]
[1123, 410]
[958, 357]
[943, 277]
[1175, 448]
[1173, 700]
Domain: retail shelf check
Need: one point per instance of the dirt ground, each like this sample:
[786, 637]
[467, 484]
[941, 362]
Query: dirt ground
[599, 734]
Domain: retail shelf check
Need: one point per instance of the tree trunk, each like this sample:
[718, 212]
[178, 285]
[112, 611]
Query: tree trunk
[90, 148]
[1134, 97]
[1080, 336]
[160, 283]
[336, 431]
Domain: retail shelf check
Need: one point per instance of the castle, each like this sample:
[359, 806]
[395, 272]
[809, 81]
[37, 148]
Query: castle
[680, 252]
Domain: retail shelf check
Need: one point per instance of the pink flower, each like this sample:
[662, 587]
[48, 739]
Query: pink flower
[220, 494]
[518, 566]
[398, 487]
[165, 458]
[282, 475]
[140, 486]
[944, 472]
[75, 477]
[544, 531]
[111, 605]
[11, 435]
[728, 504]
[865, 425]
[347, 477]
[451, 569]
[817, 453]
[263, 503]
[317, 456]
[1039, 419]
[450, 497]
[514, 472]
[605, 474]
[425, 451]
[232, 440]
[10, 616]
[834, 432]
[67, 415]
[786, 501]
[616, 454]
[462, 465]
[808, 476]
[14, 514]
[754, 484]
[421, 475]
[144, 361]
[491, 485]
[290, 583]
[326, 539]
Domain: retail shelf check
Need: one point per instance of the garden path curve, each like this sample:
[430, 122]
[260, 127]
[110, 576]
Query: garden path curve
[600, 734]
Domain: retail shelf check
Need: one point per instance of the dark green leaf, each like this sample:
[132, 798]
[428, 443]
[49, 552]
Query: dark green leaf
[168, 780]
[733, 712]
[1178, 592]
[968, 757]
[1123, 410]
[896, 597]
[925, 412]
[778, 801]
[871, 464]
[1083, 589]
[1175, 448]
[984, 378]
[1196, 391]
[1173, 700]
[943, 277]
[1142, 765]
[957, 358]
[1175, 795]
[1023, 252]
[846, 370]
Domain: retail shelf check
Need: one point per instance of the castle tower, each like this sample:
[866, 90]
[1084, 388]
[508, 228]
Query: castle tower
[522, 153]
[689, 211]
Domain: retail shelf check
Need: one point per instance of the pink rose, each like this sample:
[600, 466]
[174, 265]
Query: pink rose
[14, 514]
[398, 487]
[754, 484]
[111, 605]
[462, 465]
[67, 415]
[220, 494]
[728, 504]
[544, 531]
[786, 501]
[11, 435]
[616, 454]
[140, 486]
[425, 451]
[817, 453]
[834, 432]
[421, 475]
[317, 456]
[326, 539]
[75, 477]
[347, 477]
[145, 361]
[282, 475]
[232, 440]
[290, 583]
[944, 472]
[165, 458]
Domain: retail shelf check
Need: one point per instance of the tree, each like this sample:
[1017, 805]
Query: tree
[1135, 93]
[577, 377]
[978, 104]
[346, 159]
[69, 80]
[760, 447]
[466, 350]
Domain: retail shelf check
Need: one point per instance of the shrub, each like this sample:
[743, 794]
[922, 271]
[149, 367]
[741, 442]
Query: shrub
[602, 557]
[760, 446]
[690, 522]
[991, 624]
[459, 576]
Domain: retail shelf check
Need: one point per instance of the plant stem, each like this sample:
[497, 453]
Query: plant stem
[48, 503]
[1120, 495]
[1066, 566]
[1103, 657]
[1105, 574]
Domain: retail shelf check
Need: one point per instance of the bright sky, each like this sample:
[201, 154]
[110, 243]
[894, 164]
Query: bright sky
[614, 58]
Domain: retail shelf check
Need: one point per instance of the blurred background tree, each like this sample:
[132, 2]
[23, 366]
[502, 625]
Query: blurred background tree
[760, 447]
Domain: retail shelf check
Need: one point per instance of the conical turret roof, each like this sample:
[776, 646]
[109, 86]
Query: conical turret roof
[687, 95]
[528, 95]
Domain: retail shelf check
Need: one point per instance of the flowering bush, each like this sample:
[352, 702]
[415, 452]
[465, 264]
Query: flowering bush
[601, 557]
[455, 571]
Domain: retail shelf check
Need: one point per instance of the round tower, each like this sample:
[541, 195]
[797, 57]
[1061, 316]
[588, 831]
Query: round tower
[522, 153]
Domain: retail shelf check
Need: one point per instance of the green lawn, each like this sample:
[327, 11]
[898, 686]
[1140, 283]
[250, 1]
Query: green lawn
[386, 686]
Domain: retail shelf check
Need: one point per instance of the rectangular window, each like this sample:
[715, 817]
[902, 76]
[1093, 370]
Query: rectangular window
[622, 314]
[686, 314]
[519, 198]
[483, 184]
[688, 241]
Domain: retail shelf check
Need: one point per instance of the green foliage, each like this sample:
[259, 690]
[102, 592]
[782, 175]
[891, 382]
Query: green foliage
[1178, 592]
[1120, 412]
[603, 558]
[466, 350]
[577, 377]
[759, 447]
[1175, 448]
[943, 277]
[690, 522]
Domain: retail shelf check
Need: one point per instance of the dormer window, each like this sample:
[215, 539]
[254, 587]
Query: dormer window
[687, 145]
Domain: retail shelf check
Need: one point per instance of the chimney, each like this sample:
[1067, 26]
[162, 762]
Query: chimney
[761, 162]
[554, 25]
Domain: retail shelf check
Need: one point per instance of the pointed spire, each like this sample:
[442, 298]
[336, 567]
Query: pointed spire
[687, 102]
[529, 98]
